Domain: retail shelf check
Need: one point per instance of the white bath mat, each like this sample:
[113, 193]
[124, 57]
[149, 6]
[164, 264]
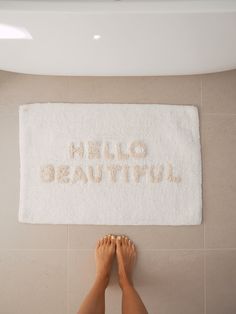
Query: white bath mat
[110, 164]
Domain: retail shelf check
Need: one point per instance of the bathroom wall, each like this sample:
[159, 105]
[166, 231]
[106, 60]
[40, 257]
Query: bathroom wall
[47, 269]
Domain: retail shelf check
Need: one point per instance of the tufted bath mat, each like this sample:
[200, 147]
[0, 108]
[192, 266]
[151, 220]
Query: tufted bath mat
[118, 164]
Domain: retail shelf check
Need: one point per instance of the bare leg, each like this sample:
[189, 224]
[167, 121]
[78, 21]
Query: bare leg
[94, 303]
[126, 255]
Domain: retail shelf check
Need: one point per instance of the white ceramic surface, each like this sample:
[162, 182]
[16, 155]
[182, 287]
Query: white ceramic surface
[120, 37]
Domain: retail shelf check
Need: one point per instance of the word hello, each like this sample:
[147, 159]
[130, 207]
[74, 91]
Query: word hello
[115, 166]
[95, 150]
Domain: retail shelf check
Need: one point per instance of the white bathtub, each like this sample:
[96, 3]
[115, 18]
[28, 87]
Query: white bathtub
[118, 37]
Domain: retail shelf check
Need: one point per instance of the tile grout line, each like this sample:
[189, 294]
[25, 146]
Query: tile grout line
[143, 250]
[67, 272]
[204, 231]
[204, 273]
[201, 105]
[203, 152]
[218, 114]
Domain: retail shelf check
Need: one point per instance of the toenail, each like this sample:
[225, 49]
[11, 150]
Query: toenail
[119, 238]
[113, 238]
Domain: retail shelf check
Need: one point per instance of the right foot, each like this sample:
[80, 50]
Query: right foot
[126, 256]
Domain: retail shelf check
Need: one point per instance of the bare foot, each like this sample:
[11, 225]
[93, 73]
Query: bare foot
[126, 256]
[104, 255]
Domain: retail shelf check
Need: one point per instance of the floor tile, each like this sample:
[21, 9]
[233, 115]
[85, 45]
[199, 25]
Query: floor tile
[145, 237]
[15, 235]
[15, 89]
[33, 282]
[167, 281]
[170, 90]
[219, 175]
[221, 282]
[219, 92]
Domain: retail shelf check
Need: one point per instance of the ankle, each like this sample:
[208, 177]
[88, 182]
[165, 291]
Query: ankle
[102, 280]
[125, 283]
[126, 286]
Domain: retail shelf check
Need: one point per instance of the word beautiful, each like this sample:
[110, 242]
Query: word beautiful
[119, 170]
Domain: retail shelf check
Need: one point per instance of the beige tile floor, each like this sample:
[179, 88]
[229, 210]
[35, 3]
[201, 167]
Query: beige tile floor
[47, 269]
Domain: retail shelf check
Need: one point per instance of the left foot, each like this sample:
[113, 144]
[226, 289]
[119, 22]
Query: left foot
[104, 255]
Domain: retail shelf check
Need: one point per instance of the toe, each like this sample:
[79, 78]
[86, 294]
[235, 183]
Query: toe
[118, 242]
[133, 247]
[123, 241]
[126, 240]
[113, 240]
[106, 239]
[110, 239]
